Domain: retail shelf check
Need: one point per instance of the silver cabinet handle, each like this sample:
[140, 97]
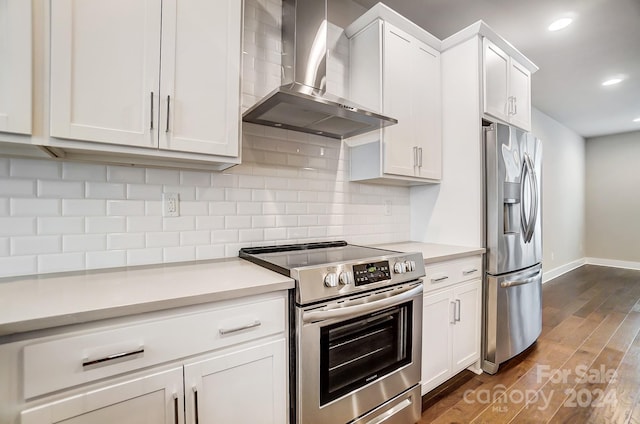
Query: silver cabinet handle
[195, 404]
[224, 331]
[88, 363]
[457, 317]
[453, 318]
[175, 408]
[152, 110]
[469, 271]
[420, 157]
[168, 109]
[437, 280]
[415, 156]
[515, 105]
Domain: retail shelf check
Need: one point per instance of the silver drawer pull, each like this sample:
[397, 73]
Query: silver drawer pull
[470, 271]
[437, 280]
[224, 331]
[121, 355]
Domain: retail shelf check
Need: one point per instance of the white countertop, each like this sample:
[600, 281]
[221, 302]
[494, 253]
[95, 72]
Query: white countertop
[433, 252]
[46, 301]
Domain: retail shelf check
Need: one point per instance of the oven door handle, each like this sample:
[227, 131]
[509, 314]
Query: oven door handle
[353, 311]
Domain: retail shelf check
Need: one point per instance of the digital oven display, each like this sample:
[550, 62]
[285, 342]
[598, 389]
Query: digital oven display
[371, 273]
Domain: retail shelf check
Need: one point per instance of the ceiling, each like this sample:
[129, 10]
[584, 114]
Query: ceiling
[603, 41]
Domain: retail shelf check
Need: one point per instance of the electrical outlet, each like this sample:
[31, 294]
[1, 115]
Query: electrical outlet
[387, 207]
[170, 204]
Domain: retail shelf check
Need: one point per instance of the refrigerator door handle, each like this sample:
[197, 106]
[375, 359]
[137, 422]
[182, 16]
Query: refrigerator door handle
[514, 283]
[533, 186]
[523, 216]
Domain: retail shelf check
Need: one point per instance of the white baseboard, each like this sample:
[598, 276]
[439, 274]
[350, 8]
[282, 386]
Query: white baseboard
[563, 269]
[613, 263]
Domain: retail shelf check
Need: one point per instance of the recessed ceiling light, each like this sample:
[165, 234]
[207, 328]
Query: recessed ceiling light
[637, 119]
[612, 81]
[559, 24]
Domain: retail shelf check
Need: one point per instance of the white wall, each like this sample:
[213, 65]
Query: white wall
[291, 187]
[563, 198]
[613, 198]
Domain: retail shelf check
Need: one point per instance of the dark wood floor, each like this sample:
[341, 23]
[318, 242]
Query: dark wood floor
[590, 331]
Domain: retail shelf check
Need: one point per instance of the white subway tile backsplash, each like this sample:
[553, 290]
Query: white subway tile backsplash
[162, 239]
[273, 208]
[262, 221]
[249, 208]
[102, 224]
[125, 207]
[83, 207]
[319, 232]
[222, 208]
[84, 243]
[144, 256]
[179, 254]
[162, 176]
[286, 221]
[144, 192]
[194, 208]
[260, 195]
[18, 265]
[225, 179]
[4, 246]
[297, 233]
[61, 189]
[185, 192]
[231, 222]
[139, 224]
[195, 178]
[232, 249]
[209, 222]
[274, 234]
[17, 188]
[106, 259]
[34, 168]
[153, 208]
[60, 262]
[193, 238]
[60, 225]
[125, 174]
[118, 241]
[179, 223]
[209, 193]
[17, 226]
[4, 167]
[296, 208]
[105, 191]
[4, 206]
[224, 236]
[251, 235]
[83, 172]
[209, 252]
[35, 207]
[237, 194]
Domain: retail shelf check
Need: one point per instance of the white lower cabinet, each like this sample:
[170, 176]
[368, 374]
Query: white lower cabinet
[451, 319]
[224, 362]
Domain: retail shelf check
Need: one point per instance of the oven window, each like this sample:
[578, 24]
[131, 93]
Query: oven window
[360, 350]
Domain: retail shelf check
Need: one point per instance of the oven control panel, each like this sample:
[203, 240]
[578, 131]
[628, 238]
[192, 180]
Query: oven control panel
[368, 273]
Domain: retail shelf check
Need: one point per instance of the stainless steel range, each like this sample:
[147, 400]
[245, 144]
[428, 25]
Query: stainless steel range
[356, 324]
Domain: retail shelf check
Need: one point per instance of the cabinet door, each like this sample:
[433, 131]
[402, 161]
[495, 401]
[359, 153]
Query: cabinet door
[427, 112]
[15, 66]
[398, 85]
[200, 86]
[105, 58]
[520, 90]
[496, 82]
[437, 318]
[150, 399]
[240, 386]
[466, 330]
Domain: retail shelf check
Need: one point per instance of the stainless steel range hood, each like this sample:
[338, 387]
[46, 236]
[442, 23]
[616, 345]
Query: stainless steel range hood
[302, 103]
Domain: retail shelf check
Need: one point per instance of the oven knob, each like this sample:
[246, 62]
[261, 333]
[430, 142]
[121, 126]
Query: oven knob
[410, 265]
[331, 279]
[399, 268]
[346, 278]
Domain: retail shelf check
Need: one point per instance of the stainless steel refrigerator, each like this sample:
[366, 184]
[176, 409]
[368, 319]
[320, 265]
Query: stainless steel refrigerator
[513, 233]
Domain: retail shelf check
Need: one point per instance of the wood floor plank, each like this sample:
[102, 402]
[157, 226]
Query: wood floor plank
[591, 321]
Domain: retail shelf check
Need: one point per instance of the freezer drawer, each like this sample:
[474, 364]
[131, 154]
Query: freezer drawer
[512, 316]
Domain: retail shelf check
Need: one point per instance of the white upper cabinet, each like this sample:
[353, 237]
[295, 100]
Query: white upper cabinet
[507, 87]
[200, 84]
[15, 66]
[160, 75]
[404, 83]
[104, 70]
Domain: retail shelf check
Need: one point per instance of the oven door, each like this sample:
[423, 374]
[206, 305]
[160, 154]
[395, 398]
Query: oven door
[358, 353]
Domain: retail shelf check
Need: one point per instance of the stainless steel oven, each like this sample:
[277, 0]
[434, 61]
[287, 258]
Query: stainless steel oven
[356, 325]
[355, 354]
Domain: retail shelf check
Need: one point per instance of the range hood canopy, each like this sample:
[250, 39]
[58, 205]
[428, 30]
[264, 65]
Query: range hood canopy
[302, 103]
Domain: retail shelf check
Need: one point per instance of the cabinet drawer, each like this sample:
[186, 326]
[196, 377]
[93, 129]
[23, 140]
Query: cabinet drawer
[446, 273]
[76, 359]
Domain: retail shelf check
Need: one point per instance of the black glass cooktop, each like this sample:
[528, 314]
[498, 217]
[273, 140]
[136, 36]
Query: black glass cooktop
[284, 258]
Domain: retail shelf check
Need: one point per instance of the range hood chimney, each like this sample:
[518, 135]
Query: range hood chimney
[302, 103]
